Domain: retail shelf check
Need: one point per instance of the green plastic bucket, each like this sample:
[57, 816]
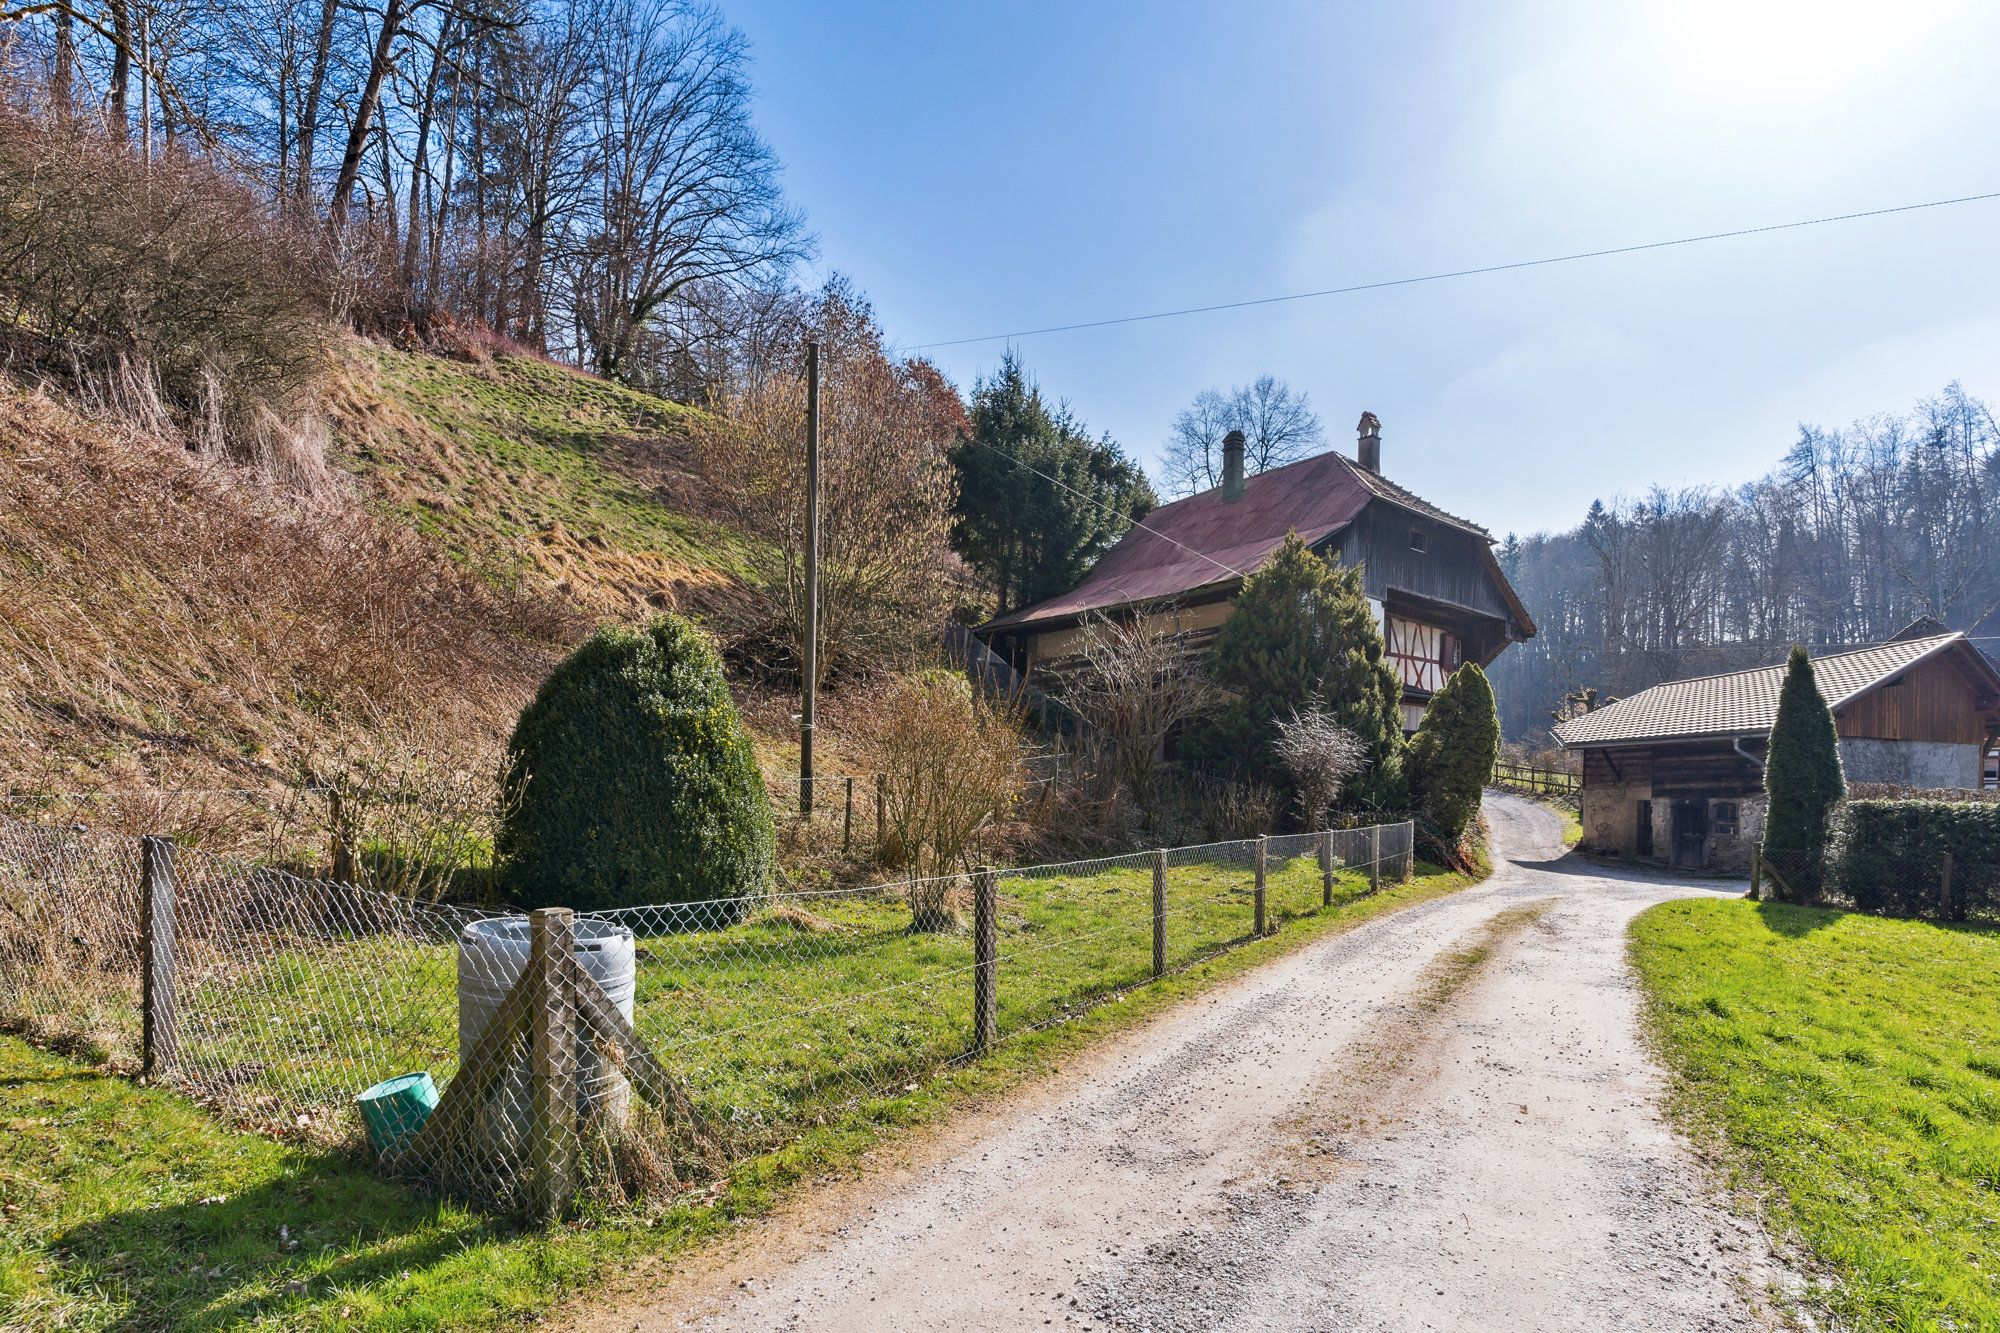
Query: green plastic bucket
[395, 1109]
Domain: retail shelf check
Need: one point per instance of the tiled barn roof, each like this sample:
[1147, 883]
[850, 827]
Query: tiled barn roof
[1741, 703]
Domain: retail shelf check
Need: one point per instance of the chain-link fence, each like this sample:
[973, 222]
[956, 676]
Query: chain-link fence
[631, 1050]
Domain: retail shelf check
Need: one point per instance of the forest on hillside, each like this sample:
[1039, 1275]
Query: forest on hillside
[1857, 532]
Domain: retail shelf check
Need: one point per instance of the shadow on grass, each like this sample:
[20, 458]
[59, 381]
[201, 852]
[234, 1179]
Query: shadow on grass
[1794, 921]
[344, 1229]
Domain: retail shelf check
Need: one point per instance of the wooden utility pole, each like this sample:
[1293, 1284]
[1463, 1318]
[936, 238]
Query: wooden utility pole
[812, 581]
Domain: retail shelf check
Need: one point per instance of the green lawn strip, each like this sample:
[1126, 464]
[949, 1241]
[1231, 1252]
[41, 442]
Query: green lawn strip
[772, 1023]
[1853, 1062]
[104, 1181]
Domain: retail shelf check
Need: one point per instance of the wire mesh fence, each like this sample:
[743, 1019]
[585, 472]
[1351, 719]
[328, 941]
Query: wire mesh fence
[740, 1022]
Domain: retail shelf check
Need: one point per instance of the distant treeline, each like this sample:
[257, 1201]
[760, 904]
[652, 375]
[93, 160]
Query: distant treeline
[1854, 535]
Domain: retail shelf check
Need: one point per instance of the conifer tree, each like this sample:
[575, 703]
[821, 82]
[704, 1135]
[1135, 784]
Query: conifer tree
[1302, 631]
[1802, 780]
[1450, 759]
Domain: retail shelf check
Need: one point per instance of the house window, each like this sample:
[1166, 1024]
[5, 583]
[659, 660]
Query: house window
[1419, 541]
[1722, 819]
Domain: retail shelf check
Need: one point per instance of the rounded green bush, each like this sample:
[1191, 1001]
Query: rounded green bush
[631, 780]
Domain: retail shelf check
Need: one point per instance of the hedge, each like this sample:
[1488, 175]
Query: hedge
[1888, 857]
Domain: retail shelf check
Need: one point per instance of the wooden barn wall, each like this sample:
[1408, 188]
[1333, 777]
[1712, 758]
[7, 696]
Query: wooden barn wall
[1934, 702]
[1704, 769]
[1451, 570]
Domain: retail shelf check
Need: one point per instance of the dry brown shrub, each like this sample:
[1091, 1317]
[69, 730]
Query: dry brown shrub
[166, 285]
[951, 761]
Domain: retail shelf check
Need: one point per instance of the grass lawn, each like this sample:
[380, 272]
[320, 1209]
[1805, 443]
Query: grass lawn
[1853, 1064]
[130, 1207]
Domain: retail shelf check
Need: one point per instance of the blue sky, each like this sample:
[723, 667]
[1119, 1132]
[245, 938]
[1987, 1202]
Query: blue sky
[985, 168]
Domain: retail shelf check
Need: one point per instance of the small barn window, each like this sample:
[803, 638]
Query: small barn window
[1722, 819]
[1419, 541]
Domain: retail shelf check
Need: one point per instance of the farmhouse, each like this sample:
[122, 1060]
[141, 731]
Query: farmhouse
[1676, 773]
[1438, 593]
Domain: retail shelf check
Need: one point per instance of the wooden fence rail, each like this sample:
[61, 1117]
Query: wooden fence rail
[1542, 781]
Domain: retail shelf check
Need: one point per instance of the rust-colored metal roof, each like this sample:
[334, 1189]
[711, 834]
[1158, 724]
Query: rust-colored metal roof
[1205, 543]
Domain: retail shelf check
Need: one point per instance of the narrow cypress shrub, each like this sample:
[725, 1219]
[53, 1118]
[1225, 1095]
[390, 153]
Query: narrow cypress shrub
[631, 780]
[1450, 759]
[1802, 780]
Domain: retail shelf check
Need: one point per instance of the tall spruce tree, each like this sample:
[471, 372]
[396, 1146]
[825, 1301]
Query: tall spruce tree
[1802, 780]
[1450, 759]
[1302, 630]
[1038, 498]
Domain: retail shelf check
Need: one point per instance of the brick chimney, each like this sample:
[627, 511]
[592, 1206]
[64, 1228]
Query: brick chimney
[1232, 466]
[1368, 442]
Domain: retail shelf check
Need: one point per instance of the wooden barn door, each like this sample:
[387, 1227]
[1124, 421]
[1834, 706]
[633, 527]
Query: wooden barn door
[1690, 834]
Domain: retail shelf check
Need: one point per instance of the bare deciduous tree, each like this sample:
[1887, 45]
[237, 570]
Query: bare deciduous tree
[1138, 682]
[1277, 421]
[1320, 755]
[885, 484]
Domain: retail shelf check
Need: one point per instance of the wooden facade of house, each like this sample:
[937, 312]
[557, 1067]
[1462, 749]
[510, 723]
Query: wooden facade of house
[1439, 595]
[1675, 774]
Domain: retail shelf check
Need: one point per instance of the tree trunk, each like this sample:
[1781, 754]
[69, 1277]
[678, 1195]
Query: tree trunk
[365, 112]
[309, 114]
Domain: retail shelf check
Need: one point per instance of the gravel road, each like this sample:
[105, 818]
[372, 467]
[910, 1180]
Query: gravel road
[1442, 1119]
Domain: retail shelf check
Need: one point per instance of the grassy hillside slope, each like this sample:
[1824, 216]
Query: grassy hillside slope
[529, 472]
[172, 621]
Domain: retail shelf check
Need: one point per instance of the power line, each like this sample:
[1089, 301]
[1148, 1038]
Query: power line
[1137, 523]
[1461, 272]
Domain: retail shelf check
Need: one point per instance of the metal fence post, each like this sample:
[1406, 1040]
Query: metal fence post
[1374, 857]
[1406, 863]
[1944, 888]
[985, 960]
[552, 1056]
[1159, 912]
[1326, 868]
[1263, 861]
[160, 1028]
[847, 819]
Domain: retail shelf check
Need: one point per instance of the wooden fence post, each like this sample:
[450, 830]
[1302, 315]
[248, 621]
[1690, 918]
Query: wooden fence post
[1263, 861]
[552, 1056]
[1159, 912]
[985, 960]
[1326, 868]
[1756, 870]
[1944, 888]
[847, 819]
[160, 1028]
[881, 810]
[1374, 857]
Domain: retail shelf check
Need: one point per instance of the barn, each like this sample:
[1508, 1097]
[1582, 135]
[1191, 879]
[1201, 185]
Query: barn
[1675, 773]
[1438, 593]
